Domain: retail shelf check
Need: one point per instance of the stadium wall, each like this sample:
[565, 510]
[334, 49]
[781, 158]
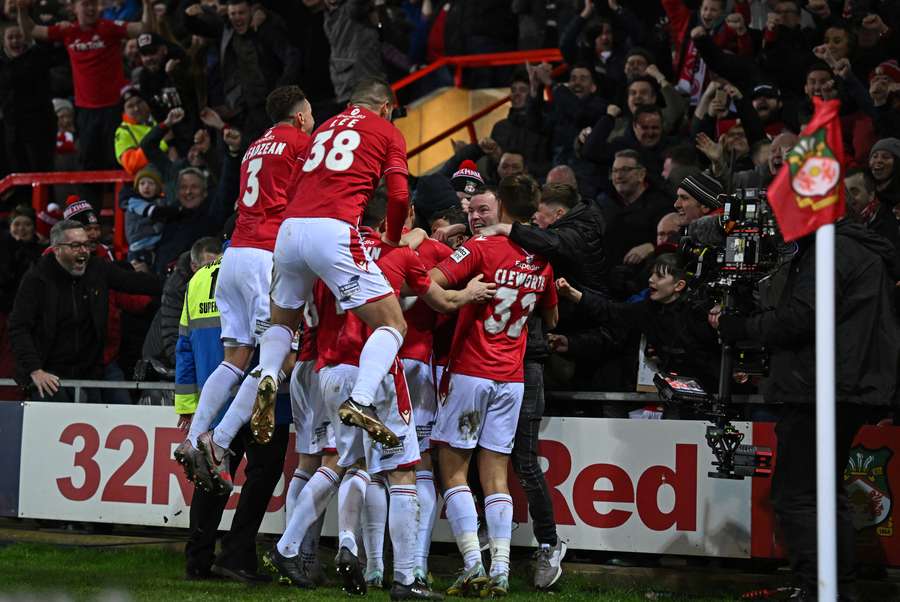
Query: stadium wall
[617, 485]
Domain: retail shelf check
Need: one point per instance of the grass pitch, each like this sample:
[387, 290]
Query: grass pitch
[45, 572]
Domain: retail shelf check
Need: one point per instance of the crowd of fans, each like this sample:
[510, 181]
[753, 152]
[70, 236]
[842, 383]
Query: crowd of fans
[664, 106]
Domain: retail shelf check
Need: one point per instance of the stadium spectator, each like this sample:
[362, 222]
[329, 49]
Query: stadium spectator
[513, 132]
[567, 231]
[632, 211]
[883, 160]
[26, 113]
[255, 59]
[674, 324]
[601, 44]
[355, 47]
[645, 136]
[200, 213]
[53, 340]
[575, 105]
[137, 121]
[165, 82]
[646, 90]
[697, 196]
[479, 28]
[19, 249]
[93, 44]
[884, 90]
[864, 207]
[146, 212]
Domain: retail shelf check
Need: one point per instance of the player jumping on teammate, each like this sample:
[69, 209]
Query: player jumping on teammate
[349, 155]
[242, 283]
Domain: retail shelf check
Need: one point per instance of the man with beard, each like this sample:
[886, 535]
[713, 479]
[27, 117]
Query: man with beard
[575, 105]
[58, 323]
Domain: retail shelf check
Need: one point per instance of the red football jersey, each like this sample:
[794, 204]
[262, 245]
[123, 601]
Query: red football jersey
[489, 341]
[95, 54]
[267, 170]
[347, 157]
[421, 319]
[341, 336]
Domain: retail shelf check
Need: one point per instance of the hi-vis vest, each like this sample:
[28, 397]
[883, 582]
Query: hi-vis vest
[199, 349]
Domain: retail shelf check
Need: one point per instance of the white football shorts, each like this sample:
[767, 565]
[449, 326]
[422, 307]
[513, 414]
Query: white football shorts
[312, 247]
[354, 444]
[314, 431]
[478, 412]
[420, 380]
[242, 295]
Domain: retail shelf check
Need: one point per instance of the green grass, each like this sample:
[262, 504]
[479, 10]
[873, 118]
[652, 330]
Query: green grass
[147, 573]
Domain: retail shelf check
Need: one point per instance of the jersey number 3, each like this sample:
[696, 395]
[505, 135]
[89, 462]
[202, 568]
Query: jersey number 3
[251, 190]
[505, 299]
[339, 157]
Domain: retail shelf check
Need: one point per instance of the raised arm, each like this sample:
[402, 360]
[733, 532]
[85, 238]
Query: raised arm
[30, 30]
[147, 22]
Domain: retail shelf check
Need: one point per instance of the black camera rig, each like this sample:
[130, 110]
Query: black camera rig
[748, 248]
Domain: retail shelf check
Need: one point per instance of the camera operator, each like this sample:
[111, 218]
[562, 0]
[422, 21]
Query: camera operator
[868, 350]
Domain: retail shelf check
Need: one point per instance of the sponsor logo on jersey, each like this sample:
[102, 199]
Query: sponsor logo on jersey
[460, 254]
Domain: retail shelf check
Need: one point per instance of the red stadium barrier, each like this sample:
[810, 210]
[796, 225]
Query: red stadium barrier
[497, 59]
[39, 181]
[468, 61]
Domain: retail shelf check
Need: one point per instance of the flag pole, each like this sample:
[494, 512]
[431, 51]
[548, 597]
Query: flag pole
[826, 502]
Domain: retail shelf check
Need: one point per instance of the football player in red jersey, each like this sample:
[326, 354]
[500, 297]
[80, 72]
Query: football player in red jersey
[242, 282]
[349, 154]
[417, 357]
[340, 340]
[485, 377]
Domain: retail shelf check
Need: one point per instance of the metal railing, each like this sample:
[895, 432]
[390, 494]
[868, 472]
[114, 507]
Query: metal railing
[470, 61]
[600, 396]
[79, 384]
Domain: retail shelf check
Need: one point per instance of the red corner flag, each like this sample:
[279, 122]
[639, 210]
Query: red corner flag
[808, 191]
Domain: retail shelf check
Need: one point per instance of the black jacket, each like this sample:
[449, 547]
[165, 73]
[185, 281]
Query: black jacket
[513, 133]
[40, 326]
[171, 306]
[678, 333]
[565, 118]
[628, 226]
[867, 332]
[573, 244]
[16, 257]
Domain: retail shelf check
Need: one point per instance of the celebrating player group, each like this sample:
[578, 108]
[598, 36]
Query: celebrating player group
[410, 353]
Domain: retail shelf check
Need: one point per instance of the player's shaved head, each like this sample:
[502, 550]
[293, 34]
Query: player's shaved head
[372, 93]
[282, 103]
[519, 196]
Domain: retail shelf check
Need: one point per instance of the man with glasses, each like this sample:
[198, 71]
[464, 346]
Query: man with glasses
[632, 212]
[58, 324]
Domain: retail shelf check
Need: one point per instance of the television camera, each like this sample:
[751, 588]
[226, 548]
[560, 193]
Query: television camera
[746, 249]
